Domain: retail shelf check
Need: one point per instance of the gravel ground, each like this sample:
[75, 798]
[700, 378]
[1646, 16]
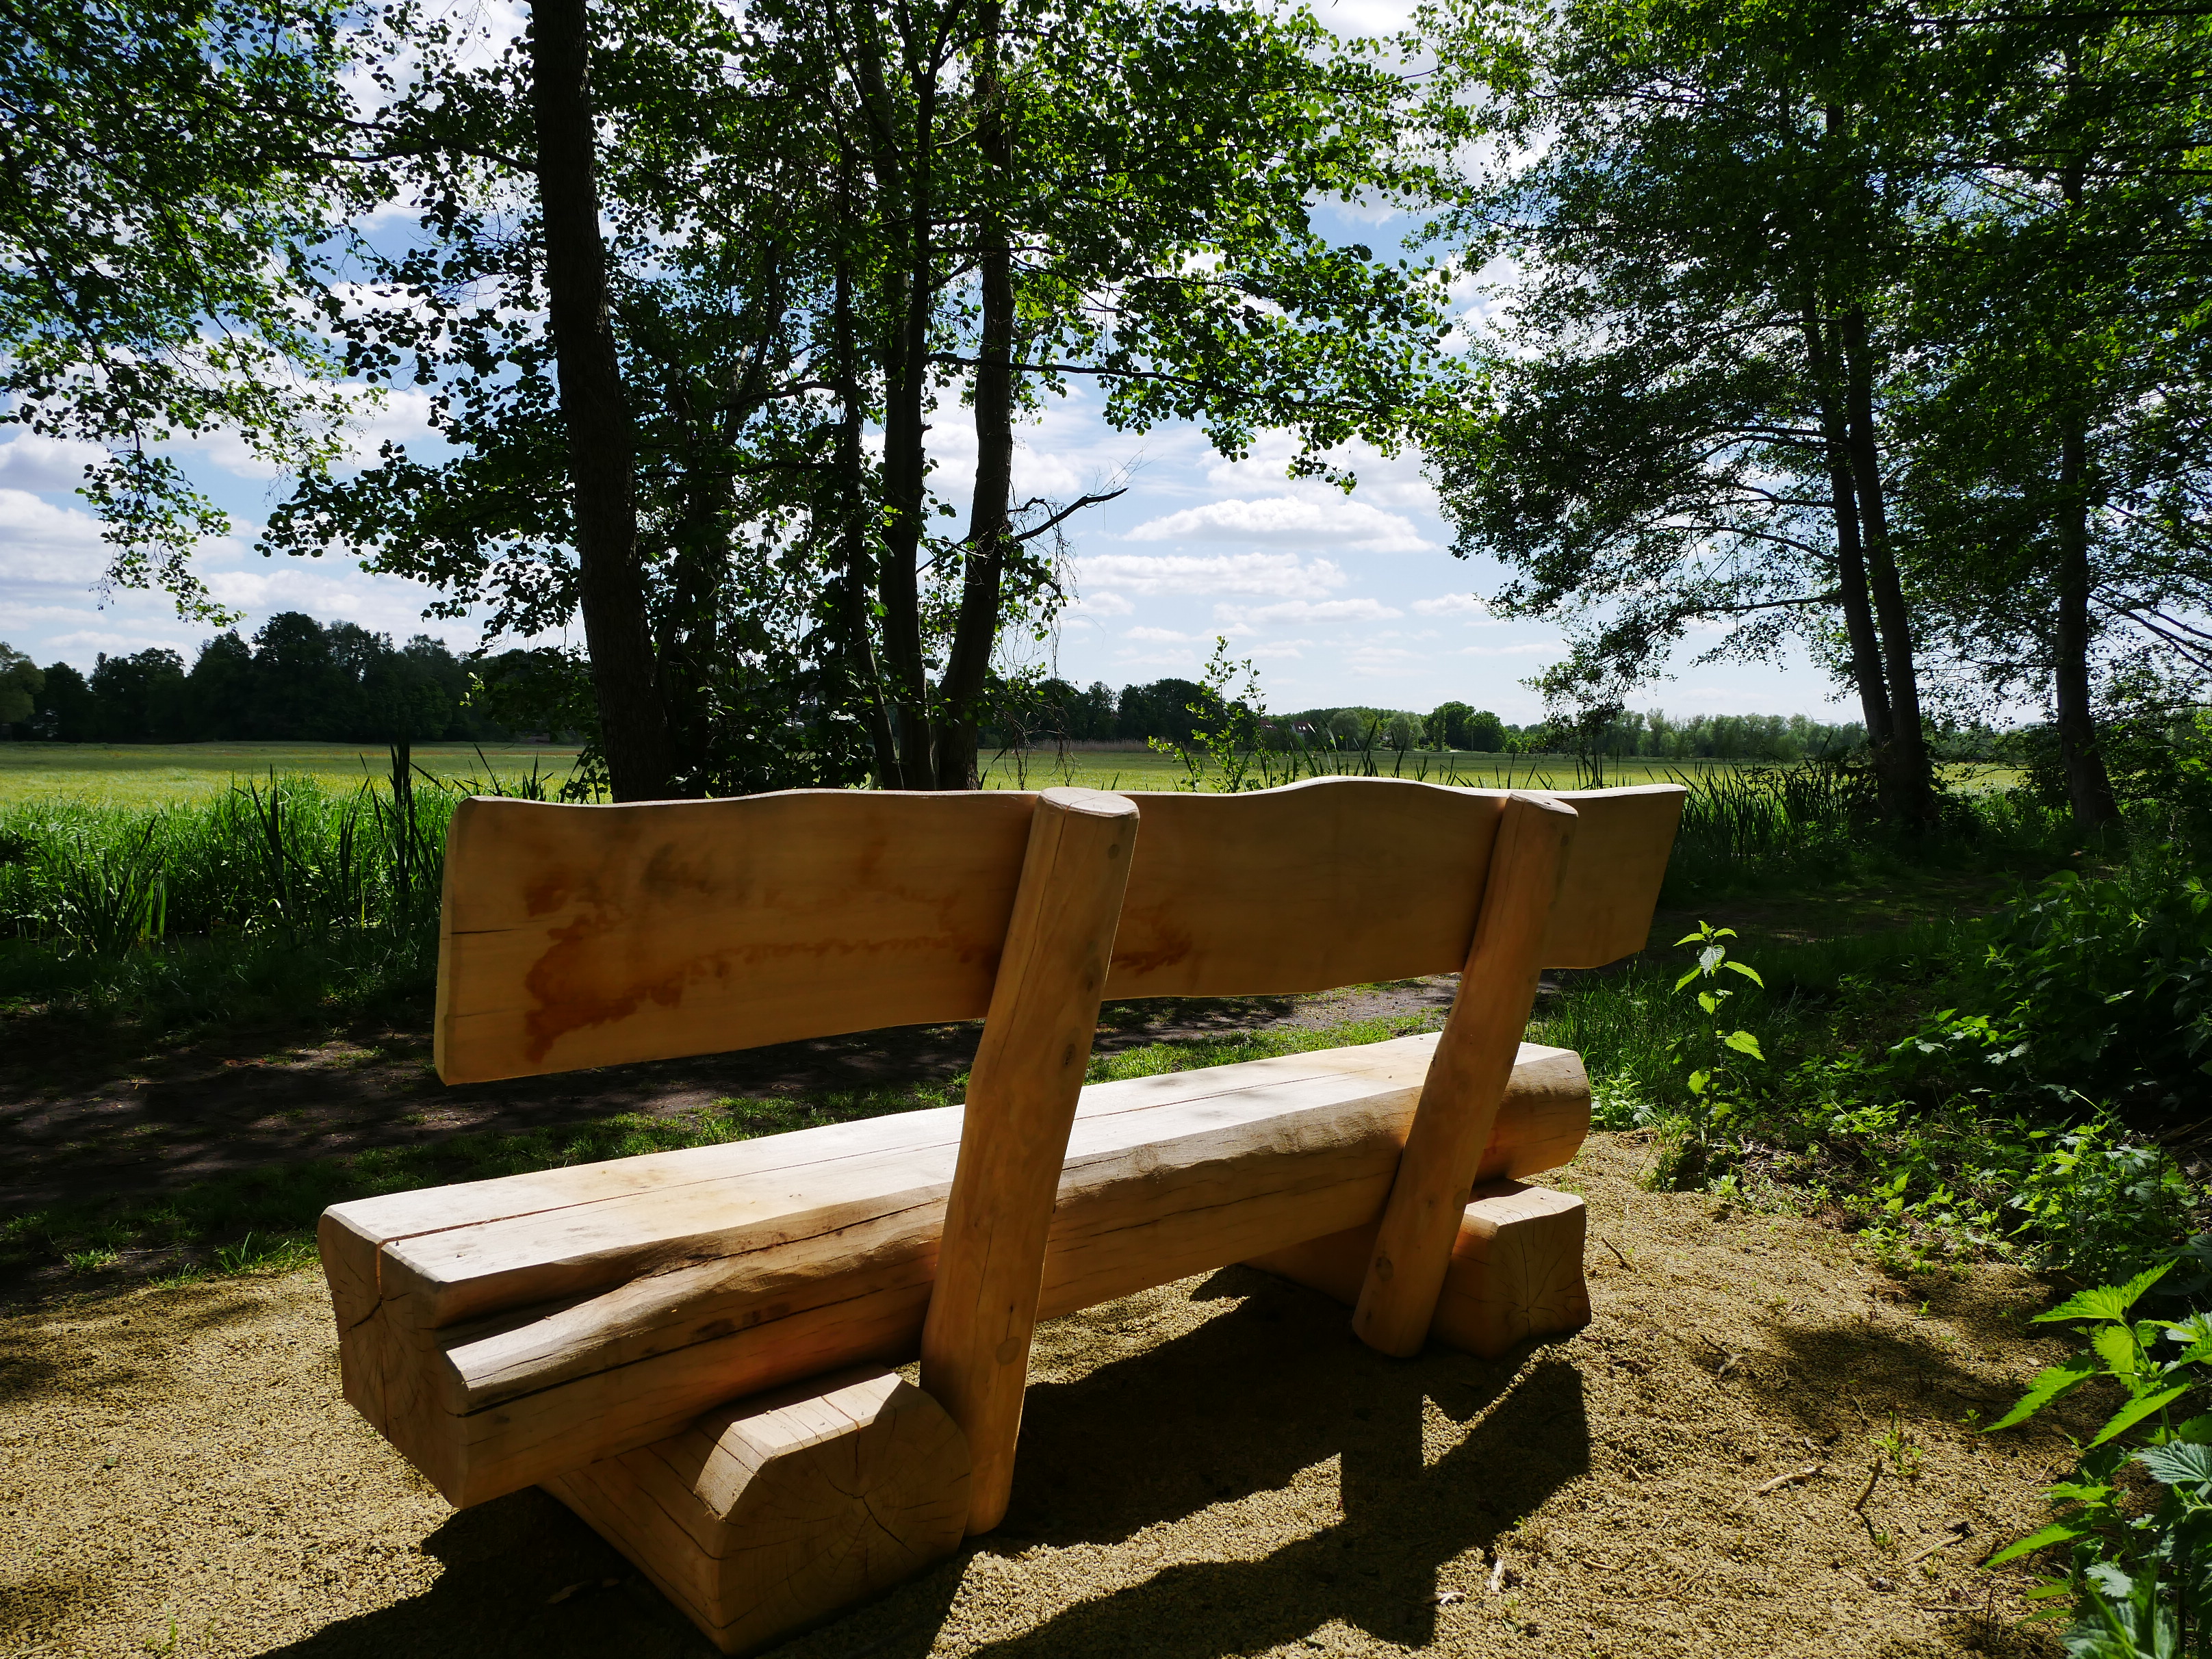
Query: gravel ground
[1214, 1468]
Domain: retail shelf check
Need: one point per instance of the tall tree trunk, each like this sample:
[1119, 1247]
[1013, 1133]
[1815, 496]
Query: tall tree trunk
[602, 447]
[909, 291]
[858, 579]
[1850, 558]
[2088, 786]
[1906, 759]
[687, 651]
[988, 531]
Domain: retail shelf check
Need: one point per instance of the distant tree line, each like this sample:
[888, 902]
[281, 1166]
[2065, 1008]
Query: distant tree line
[298, 680]
[1056, 711]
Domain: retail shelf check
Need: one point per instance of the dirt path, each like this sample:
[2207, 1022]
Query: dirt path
[1209, 1469]
[82, 1126]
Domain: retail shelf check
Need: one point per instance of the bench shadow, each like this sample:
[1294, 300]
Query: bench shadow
[1252, 1401]
[1259, 1398]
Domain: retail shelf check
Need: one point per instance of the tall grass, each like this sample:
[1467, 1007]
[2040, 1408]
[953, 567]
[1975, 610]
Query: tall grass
[287, 895]
[279, 896]
[1812, 825]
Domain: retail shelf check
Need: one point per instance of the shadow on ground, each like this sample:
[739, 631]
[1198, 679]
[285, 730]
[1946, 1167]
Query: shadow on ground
[1237, 1407]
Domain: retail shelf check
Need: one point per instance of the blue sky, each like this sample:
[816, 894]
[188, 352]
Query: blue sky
[1335, 599]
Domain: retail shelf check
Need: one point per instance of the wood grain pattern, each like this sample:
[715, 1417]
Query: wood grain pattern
[1517, 1268]
[1022, 1096]
[577, 936]
[1467, 1080]
[774, 1513]
[527, 1325]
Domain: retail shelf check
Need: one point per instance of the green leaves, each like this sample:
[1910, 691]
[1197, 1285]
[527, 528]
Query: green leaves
[2136, 1410]
[2109, 1301]
[2053, 1382]
[2058, 1532]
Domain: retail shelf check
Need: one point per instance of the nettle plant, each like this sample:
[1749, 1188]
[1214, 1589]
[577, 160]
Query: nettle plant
[1718, 1058]
[2139, 1572]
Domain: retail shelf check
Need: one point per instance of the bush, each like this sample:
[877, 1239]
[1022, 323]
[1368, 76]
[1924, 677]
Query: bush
[2082, 992]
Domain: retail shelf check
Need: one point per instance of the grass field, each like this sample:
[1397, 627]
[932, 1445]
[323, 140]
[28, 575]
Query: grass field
[157, 775]
[160, 774]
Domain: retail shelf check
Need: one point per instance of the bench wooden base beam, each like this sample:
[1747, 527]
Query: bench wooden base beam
[504, 1332]
[1517, 1269]
[775, 1513]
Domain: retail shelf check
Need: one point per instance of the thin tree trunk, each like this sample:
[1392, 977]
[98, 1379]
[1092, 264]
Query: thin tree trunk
[1850, 558]
[909, 290]
[1906, 757]
[602, 447]
[988, 530]
[2088, 786]
[853, 528]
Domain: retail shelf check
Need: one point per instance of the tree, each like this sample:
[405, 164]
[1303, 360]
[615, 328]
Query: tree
[219, 692]
[2063, 462]
[63, 710]
[817, 218]
[1447, 725]
[1680, 428]
[19, 684]
[139, 698]
[167, 173]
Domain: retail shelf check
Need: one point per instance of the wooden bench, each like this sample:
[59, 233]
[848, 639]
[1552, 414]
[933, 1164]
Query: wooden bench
[691, 1349]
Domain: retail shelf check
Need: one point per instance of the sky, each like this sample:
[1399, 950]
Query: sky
[1335, 599]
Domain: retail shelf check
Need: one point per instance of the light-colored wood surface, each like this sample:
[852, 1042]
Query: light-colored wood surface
[1520, 1260]
[577, 936]
[526, 1325]
[1467, 1079]
[1613, 869]
[1517, 1268]
[775, 1513]
[1022, 1096]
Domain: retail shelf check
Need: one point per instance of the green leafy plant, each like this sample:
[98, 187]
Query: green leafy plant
[2139, 1571]
[1715, 1058]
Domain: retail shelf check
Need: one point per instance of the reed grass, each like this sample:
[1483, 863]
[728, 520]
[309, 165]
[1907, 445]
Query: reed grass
[290, 895]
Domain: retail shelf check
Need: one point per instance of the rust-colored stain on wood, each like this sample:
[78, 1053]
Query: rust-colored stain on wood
[1163, 943]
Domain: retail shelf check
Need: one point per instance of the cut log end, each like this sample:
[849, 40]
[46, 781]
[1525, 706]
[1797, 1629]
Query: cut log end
[1516, 1272]
[773, 1514]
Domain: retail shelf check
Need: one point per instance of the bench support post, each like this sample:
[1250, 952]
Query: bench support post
[1022, 1096]
[1467, 1079]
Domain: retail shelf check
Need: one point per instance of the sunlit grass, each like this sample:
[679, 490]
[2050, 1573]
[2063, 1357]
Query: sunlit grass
[168, 775]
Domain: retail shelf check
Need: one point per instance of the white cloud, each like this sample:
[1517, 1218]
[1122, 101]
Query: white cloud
[31, 460]
[1260, 575]
[1305, 611]
[1457, 605]
[1161, 636]
[49, 549]
[1534, 647]
[1352, 525]
[1100, 603]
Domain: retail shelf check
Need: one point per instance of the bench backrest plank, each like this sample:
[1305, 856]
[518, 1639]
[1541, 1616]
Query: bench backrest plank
[580, 936]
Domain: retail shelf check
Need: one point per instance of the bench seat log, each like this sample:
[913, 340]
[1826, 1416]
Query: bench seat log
[1516, 1272]
[770, 1514]
[504, 1332]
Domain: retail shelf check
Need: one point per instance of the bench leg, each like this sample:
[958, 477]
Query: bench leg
[1517, 1268]
[775, 1513]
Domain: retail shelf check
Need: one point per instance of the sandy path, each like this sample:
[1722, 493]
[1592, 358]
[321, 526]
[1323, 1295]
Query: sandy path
[1213, 1468]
